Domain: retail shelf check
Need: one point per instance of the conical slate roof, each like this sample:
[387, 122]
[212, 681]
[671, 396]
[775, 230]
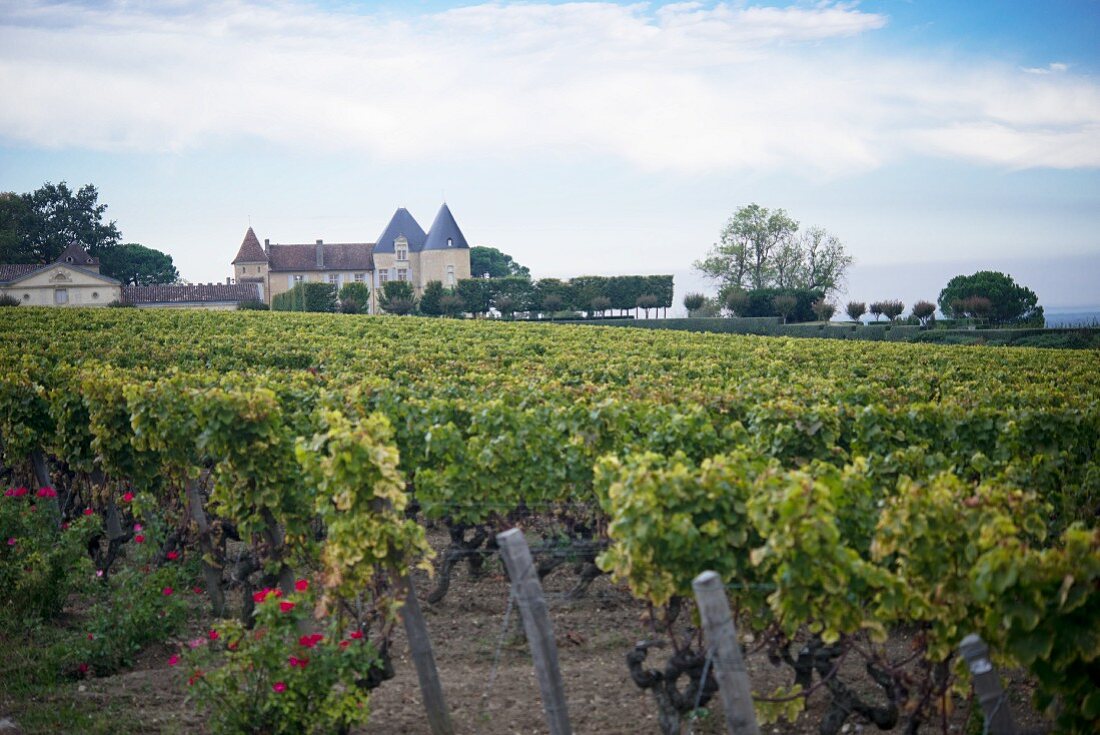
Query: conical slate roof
[77, 255]
[444, 233]
[402, 223]
[251, 251]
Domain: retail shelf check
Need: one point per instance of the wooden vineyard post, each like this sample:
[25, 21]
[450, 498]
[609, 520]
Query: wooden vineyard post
[420, 646]
[729, 666]
[536, 624]
[987, 686]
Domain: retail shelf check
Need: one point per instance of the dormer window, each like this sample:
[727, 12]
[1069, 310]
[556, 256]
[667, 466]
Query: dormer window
[450, 242]
[69, 259]
[402, 253]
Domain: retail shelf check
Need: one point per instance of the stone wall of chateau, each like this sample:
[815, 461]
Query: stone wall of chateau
[61, 286]
[446, 266]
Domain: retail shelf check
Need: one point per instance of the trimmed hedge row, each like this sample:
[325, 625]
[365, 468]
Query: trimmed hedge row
[1071, 338]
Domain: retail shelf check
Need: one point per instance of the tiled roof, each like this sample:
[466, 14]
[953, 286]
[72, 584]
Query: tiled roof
[77, 255]
[334, 256]
[196, 293]
[13, 271]
[445, 234]
[250, 251]
[401, 223]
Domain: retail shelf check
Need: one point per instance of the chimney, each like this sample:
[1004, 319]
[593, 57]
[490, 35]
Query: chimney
[228, 281]
[320, 253]
[267, 244]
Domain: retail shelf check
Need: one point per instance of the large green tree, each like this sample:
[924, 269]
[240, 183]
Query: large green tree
[1010, 302]
[14, 211]
[137, 265]
[497, 264]
[761, 248]
[54, 216]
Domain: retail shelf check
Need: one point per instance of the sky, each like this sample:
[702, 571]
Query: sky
[932, 137]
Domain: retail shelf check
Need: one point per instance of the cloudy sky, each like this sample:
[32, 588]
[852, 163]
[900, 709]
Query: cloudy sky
[933, 137]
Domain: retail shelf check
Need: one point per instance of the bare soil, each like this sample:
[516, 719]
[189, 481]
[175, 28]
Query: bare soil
[486, 671]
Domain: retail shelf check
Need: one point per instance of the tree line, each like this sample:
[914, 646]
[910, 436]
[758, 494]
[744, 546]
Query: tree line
[35, 227]
[508, 296]
[987, 297]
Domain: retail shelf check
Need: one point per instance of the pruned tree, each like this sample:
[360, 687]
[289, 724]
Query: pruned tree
[552, 302]
[924, 311]
[736, 301]
[876, 309]
[785, 305]
[647, 301]
[397, 298]
[693, 302]
[855, 309]
[431, 300]
[451, 304]
[973, 307]
[892, 309]
[506, 305]
[823, 310]
[354, 298]
[600, 304]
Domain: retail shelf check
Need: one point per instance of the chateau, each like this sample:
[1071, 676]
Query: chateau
[403, 252]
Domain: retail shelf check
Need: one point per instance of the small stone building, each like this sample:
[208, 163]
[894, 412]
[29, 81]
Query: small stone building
[71, 280]
[403, 252]
[74, 280]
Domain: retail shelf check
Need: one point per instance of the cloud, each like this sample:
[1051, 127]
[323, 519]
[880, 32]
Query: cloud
[1053, 67]
[681, 87]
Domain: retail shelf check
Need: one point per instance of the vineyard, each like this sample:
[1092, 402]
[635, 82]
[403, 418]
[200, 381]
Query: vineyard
[250, 493]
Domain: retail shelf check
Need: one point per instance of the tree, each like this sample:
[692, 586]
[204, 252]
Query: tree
[693, 302]
[736, 301]
[397, 298]
[137, 265]
[307, 296]
[892, 309]
[357, 294]
[855, 309]
[497, 264]
[1010, 302]
[924, 311]
[506, 305]
[824, 261]
[451, 304]
[476, 294]
[601, 304]
[785, 305]
[431, 299]
[876, 309]
[647, 301]
[56, 216]
[972, 307]
[552, 302]
[823, 310]
[760, 248]
[14, 212]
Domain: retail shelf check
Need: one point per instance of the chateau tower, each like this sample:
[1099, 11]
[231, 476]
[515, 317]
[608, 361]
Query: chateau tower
[251, 264]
